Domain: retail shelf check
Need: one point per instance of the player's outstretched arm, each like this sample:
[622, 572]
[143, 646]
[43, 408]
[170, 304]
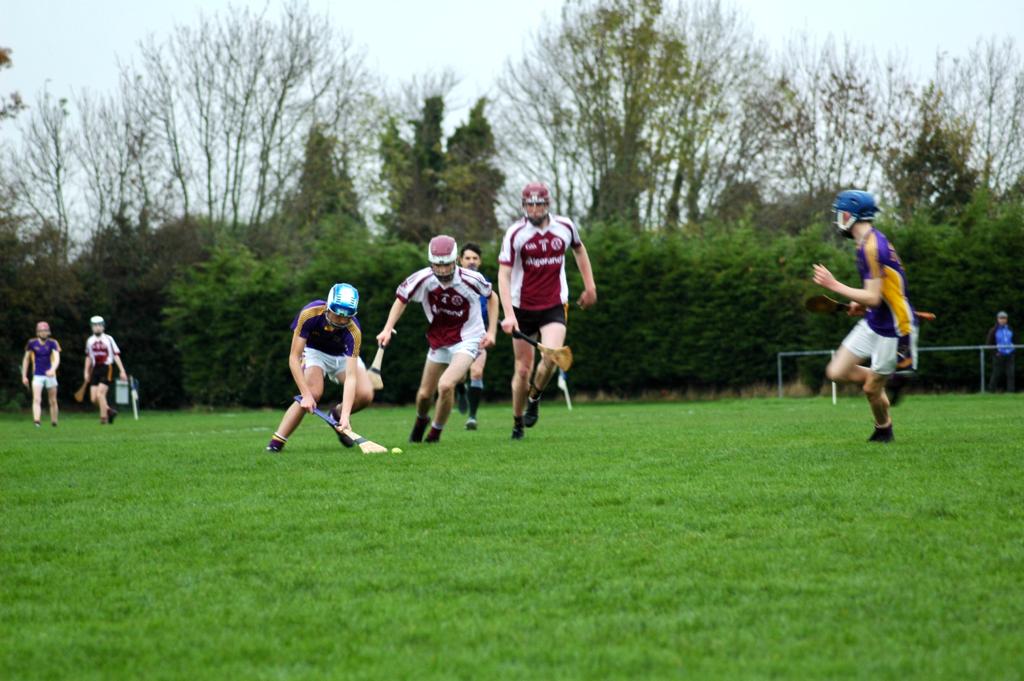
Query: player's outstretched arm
[384, 337]
[869, 296]
[589, 295]
[509, 323]
[295, 364]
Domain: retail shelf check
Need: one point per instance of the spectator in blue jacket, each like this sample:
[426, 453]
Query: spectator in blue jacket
[1001, 335]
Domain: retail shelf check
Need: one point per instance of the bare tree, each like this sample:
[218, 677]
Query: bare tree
[837, 111]
[986, 87]
[44, 162]
[638, 110]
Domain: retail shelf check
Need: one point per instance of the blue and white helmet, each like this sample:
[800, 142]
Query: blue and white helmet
[853, 206]
[343, 300]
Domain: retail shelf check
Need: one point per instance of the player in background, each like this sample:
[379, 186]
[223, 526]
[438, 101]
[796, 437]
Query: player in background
[469, 399]
[326, 339]
[101, 354]
[535, 295]
[887, 336]
[43, 353]
[452, 298]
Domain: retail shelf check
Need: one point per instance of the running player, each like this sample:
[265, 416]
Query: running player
[326, 339]
[44, 354]
[101, 354]
[535, 295]
[469, 399]
[887, 336]
[452, 299]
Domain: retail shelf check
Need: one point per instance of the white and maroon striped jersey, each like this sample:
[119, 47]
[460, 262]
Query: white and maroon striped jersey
[101, 349]
[453, 310]
[537, 259]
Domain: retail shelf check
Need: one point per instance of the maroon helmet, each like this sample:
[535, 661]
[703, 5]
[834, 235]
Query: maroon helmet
[443, 251]
[536, 193]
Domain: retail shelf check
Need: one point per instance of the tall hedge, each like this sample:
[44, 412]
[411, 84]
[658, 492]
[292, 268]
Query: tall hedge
[675, 311]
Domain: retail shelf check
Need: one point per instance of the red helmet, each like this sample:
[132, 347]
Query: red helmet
[442, 250]
[536, 192]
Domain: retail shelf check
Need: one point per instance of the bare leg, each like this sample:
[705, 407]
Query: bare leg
[874, 390]
[553, 336]
[521, 376]
[52, 394]
[428, 385]
[101, 400]
[845, 367]
[293, 416]
[446, 386]
[37, 399]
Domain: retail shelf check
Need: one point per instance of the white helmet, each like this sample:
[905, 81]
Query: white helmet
[96, 319]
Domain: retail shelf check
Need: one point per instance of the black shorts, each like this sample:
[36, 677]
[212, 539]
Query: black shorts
[531, 321]
[102, 373]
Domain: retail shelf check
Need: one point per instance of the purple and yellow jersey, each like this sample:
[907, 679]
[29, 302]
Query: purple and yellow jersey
[312, 325]
[42, 354]
[877, 259]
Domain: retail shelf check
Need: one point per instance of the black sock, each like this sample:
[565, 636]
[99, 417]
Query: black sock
[518, 420]
[474, 400]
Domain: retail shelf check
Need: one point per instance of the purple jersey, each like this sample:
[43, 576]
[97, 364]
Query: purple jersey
[877, 259]
[42, 354]
[312, 325]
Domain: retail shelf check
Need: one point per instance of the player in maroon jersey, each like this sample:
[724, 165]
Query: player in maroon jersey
[535, 295]
[451, 297]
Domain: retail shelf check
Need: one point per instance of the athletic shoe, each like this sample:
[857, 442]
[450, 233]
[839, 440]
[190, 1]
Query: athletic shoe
[517, 428]
[471, 423]
[883, 435]
[54, 424]
[275, 447]
[434, 435]
[532, 414]
[460, 398]
[35, 423]
[419, 428]
[111, 415]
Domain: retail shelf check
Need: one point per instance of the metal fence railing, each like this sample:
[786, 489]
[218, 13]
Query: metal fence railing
[935, 348]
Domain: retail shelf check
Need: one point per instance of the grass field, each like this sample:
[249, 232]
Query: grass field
[739, 539]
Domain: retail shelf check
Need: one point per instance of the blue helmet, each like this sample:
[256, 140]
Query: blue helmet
[852, 206]
[343, 300]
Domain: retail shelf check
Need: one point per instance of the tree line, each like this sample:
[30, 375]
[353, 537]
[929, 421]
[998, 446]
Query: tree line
[245, 162]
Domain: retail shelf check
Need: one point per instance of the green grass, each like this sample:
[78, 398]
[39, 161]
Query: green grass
[742, 539]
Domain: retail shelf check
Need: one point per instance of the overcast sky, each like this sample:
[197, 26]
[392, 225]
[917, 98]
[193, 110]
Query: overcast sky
[74, 45]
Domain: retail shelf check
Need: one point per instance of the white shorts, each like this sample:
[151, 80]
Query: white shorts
[883, 350]
[444, 355]
[45, 381]
[333, 366]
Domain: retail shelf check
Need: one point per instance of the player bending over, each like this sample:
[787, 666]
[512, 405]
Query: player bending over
[535, 295]
[101, 354]
[326, 340]
[44, 354]
[452, 299]
[887, 336]
[469, 399]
